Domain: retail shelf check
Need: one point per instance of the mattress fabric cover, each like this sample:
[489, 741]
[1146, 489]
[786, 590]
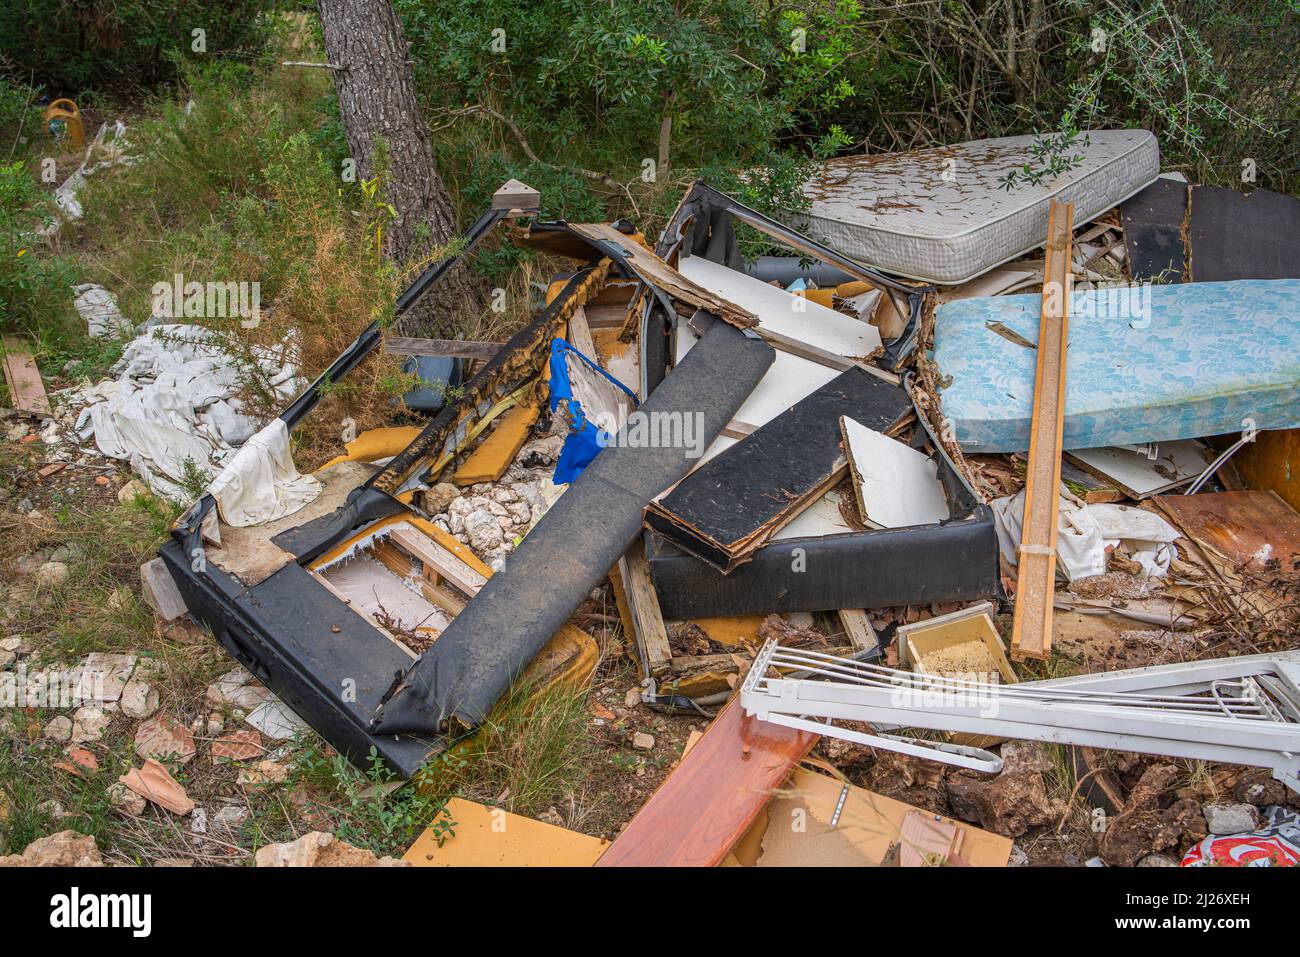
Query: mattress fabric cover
[942, 215]
[1207, 359]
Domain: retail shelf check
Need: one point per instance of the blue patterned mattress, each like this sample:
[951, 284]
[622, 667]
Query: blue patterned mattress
[1200, 359]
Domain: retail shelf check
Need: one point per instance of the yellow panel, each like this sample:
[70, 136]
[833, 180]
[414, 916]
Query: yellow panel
[488, 837]
[489, 461]
[732, 629]
[377, 444]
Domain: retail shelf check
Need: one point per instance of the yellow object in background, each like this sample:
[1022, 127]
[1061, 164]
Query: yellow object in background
[66, 111]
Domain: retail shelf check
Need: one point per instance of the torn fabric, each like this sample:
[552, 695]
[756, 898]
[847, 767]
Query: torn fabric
[1084, 532]
[260, 483]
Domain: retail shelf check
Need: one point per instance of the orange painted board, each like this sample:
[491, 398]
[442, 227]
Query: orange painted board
[479, 836]
[721, 785]
[1031, 635]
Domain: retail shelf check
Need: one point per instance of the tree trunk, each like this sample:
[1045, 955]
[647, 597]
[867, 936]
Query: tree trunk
[376, 92]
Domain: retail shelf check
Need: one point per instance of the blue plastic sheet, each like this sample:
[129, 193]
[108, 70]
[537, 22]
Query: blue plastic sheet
[586, 439]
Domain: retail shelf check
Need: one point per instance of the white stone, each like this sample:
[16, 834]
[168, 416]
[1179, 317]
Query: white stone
[139, 699]
[59, 729]
[1230, 818]
[51, 574]
[483, 530]
[643, 741]
[89, 724]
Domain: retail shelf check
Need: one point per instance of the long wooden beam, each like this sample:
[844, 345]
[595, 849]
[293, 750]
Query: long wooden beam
[1031, 635]
[706, 804]
[454, 348]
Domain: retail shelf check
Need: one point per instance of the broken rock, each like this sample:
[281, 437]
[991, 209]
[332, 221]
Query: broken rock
[318, 849]
[1145, 826]
[64, 849]
[1230, 818]
[139, 699]
[126, 800]
[89, 724]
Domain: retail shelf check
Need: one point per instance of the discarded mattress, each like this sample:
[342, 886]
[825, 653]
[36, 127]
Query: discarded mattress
[942, 215]
[1202, 359]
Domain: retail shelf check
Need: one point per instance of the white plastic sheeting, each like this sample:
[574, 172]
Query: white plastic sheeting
[1084, 532]
[174, 401]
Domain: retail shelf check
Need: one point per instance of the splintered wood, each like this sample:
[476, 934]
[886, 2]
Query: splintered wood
[1031, 635]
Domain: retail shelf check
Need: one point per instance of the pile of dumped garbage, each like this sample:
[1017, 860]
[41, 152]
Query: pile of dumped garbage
[971, 472]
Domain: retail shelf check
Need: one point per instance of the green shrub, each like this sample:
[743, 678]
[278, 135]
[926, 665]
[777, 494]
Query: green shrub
[94, 44]
[33, 282]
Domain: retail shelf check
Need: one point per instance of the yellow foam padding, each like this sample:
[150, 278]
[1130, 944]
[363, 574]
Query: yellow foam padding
[490, 837]
[489, 461]
[823, 297]
[732, 629]
[847, 290]
[376, 444]
[569, 657]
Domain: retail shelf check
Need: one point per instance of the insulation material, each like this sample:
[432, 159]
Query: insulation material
[492, 837]
[489, 461]
[896, 485]
[1084, 532]
[175, 401]
[260, 482]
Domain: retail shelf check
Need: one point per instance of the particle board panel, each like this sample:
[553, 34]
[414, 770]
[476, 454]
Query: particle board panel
[720, 787]
[1153, 232]
[1036, 583]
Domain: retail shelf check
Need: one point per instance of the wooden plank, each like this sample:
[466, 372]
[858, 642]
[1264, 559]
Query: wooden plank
[1238, 527]
[857, 626]
[1036, 579]
[26, 390]
[653, 270]
[454, 348]
[716, 792]
[440, 559]
[648, 627]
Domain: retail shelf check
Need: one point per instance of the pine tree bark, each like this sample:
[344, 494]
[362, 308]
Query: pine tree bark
[376, 92]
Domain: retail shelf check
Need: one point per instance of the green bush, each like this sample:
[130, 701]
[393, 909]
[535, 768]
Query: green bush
[98, 44]
[32, 281]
